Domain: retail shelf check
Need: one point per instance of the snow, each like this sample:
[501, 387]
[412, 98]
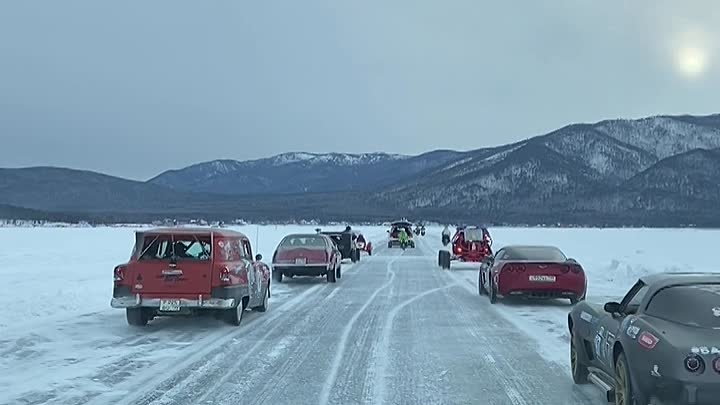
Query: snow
[63, 341]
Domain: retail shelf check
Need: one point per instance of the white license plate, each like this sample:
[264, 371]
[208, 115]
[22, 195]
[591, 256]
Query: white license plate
[300, 260]
[170, 305]
[542, 279]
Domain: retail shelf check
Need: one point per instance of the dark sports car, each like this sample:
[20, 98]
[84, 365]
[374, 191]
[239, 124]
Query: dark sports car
[659, 345]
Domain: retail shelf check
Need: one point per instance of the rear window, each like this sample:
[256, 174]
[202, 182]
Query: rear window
[691, 305]
[473, 234]
[305, 242]
[535, 253]
[181, 247]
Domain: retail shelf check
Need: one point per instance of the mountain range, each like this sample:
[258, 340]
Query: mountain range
[655, 171]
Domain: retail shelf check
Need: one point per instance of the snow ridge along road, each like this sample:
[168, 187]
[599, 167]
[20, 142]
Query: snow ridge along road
[395, 329]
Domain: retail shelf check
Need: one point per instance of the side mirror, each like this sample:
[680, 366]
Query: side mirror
[612, 307]
[258, 257]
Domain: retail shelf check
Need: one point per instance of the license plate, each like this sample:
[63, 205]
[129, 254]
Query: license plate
[542, 279]
[170, 305]
[300, 260]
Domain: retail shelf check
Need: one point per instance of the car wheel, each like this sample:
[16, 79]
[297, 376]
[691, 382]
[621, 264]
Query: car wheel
[277, 276]
[338, 272]
[493, 292]
[234, 315]
[389, 245]
[331, 277]
[577, 365]
[623, 385]
[266, 301]
[440, 258]
[136, 316]
[481, 283]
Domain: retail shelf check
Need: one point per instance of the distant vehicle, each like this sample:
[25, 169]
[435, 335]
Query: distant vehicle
[307, 255]
[181, 271]
[658, 345]
[345, 242]
[534, 272]
[394, 231]
[470, 244]
[363, 245]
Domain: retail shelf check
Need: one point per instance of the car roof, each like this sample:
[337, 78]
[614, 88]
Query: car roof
[548, 247]
[305, 235]
[662, 280]
[192, 231]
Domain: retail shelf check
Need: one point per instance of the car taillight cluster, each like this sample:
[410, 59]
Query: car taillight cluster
[225, 275]
[576, 268]
[695, 364]
[517, 268]
[119, 273]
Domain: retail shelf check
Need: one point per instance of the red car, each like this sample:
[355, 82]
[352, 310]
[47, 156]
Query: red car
[532, 271]
[181, 271]
[470, 244]
[307, 255]
[363, 245]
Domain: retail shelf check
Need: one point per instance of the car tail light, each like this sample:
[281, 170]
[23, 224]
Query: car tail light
[576, 269]
[695, 364]
[716, 364]
[648, 340]
[458, 249]
[119, 273]
[225, 275]
[564, 269]
[512, 268]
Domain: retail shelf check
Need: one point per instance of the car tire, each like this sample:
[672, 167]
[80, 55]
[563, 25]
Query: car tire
[623, 383]
[481, 283]
[330, 275]
[277, 276]
[492, 293]
[266, 301]
[578, 368]
[389, 245]
[440, 258]
[358, 254]
[136, 316]
[338, 272]
[234, 316]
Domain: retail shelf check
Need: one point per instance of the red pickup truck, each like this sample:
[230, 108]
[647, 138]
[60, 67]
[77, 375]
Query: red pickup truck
[183, 271]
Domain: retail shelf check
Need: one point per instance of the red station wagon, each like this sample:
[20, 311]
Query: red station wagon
[183, 271]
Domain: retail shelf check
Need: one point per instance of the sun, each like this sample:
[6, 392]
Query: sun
[691, 61]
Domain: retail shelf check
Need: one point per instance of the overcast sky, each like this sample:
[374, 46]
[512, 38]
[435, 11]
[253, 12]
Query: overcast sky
[132, 88]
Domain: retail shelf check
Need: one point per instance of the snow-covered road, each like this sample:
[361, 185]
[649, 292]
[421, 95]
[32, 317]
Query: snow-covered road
[394, 330]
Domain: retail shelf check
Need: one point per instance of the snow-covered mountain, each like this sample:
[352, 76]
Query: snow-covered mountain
[301, 172]
[578, 162]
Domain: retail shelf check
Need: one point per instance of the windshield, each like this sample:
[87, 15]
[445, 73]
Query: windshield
[169, 247]
[700, 305]
[305, 242]
[534, 253]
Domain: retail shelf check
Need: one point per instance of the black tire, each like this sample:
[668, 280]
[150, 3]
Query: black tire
[578, 367]
[492, 293]
[369, 252]
[234, 316]
[277, 276]
[481, 283]
[266, 301]
[358, 255]
[331, 277]
[440, 258]
[136, 316]
[624, 394]
[389, 245]
[338, 272]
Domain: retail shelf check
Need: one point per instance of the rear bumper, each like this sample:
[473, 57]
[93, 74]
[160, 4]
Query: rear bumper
[681, 393]
[302, 269]
[138, 301]
[563, 287]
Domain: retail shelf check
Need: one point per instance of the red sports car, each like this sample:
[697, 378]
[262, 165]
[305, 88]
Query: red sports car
[534, 272]
[307, 255]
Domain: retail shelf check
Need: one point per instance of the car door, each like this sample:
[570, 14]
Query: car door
[255, 278]
[610, 326]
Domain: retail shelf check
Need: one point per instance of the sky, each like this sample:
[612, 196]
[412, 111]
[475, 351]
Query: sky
[133, 88]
